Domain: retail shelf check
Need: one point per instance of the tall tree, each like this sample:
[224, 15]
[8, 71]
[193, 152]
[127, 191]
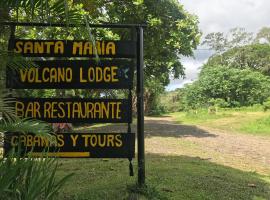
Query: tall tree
[221, 42]
[263, 35]
[171, 32]
[255, 57]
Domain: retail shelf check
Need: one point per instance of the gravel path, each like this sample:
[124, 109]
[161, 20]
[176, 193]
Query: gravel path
[165, 136]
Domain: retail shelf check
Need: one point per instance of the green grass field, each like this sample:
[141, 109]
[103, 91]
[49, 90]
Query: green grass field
[245, 120]
[168, 177]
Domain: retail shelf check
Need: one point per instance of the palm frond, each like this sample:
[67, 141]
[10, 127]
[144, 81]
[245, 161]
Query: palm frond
[15, 61]
[26, 126]
[7, 108]
[54, 10]
[30, 178]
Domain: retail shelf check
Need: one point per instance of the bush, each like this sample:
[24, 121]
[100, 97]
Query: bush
[29, 178]
[227, 87]
[266, 105]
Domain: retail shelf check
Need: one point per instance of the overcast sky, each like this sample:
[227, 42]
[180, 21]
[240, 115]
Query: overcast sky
[222, 15]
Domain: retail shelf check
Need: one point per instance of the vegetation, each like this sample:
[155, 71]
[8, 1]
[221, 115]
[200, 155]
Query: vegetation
[233, 87]
[245, 120]
[168, 177]
[29, 178]
[24, 178]
[166, 21]
[255, 57]
[236, 75]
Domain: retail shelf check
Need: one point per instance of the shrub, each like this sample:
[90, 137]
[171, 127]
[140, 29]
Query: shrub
[29, 178]
[266, 105]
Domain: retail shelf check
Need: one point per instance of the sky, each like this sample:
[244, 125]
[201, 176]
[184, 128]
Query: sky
[221, 16]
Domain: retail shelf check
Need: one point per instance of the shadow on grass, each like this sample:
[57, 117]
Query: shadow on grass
[161, 127]
[168, 177]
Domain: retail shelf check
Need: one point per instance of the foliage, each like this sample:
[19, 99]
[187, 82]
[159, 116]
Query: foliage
[152, 95]
[263, 35]
[266, 104]
[29, 178]
[218, 102]
[236, 87]
[170, 101]
[171, 31]
[255, 56]
[43, 10]
[220, 42]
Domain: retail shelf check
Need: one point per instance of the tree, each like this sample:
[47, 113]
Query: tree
[171, 32]
[235, 38]
[263, 35]
[255, 57]
[235, 86]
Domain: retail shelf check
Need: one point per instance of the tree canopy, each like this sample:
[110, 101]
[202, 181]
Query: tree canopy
[255, 56]
[171, 31]
[236, 87]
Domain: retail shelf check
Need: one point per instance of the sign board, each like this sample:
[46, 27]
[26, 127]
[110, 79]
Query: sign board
[75, 68]
[73, 74]
[68, 48]
[75, 110]
[74, 145]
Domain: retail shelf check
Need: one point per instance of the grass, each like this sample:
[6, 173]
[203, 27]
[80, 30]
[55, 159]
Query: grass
[199, 117]
[259, 127]
[247, 120]
[168, 177]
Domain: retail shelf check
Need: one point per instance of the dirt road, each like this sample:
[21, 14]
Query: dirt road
[165, 136]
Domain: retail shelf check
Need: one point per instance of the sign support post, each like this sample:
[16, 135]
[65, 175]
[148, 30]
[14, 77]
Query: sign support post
[140, 108]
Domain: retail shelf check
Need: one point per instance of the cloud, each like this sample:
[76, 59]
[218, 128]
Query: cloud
[221, 15]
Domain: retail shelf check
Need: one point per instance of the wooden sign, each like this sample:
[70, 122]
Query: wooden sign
[74, 145]
[73, 74]
[75, 110]
[68, 48]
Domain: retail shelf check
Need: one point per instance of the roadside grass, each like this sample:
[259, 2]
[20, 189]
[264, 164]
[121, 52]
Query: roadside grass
[259, 127]
[168, 177]
[198, 117]
[246, 120]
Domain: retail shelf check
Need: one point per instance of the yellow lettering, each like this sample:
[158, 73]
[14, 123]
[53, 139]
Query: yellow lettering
[114, 73]
[59, 47]
[60, 140]
[18, 48]
[49, 45]
[38, 47]
[74, 139]
[81, 76]
[118, 141]
[14, 141]
[77, 46]
[110, 141]
[23, 74]
[28, 47]
[47, 108]
[110, 48]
